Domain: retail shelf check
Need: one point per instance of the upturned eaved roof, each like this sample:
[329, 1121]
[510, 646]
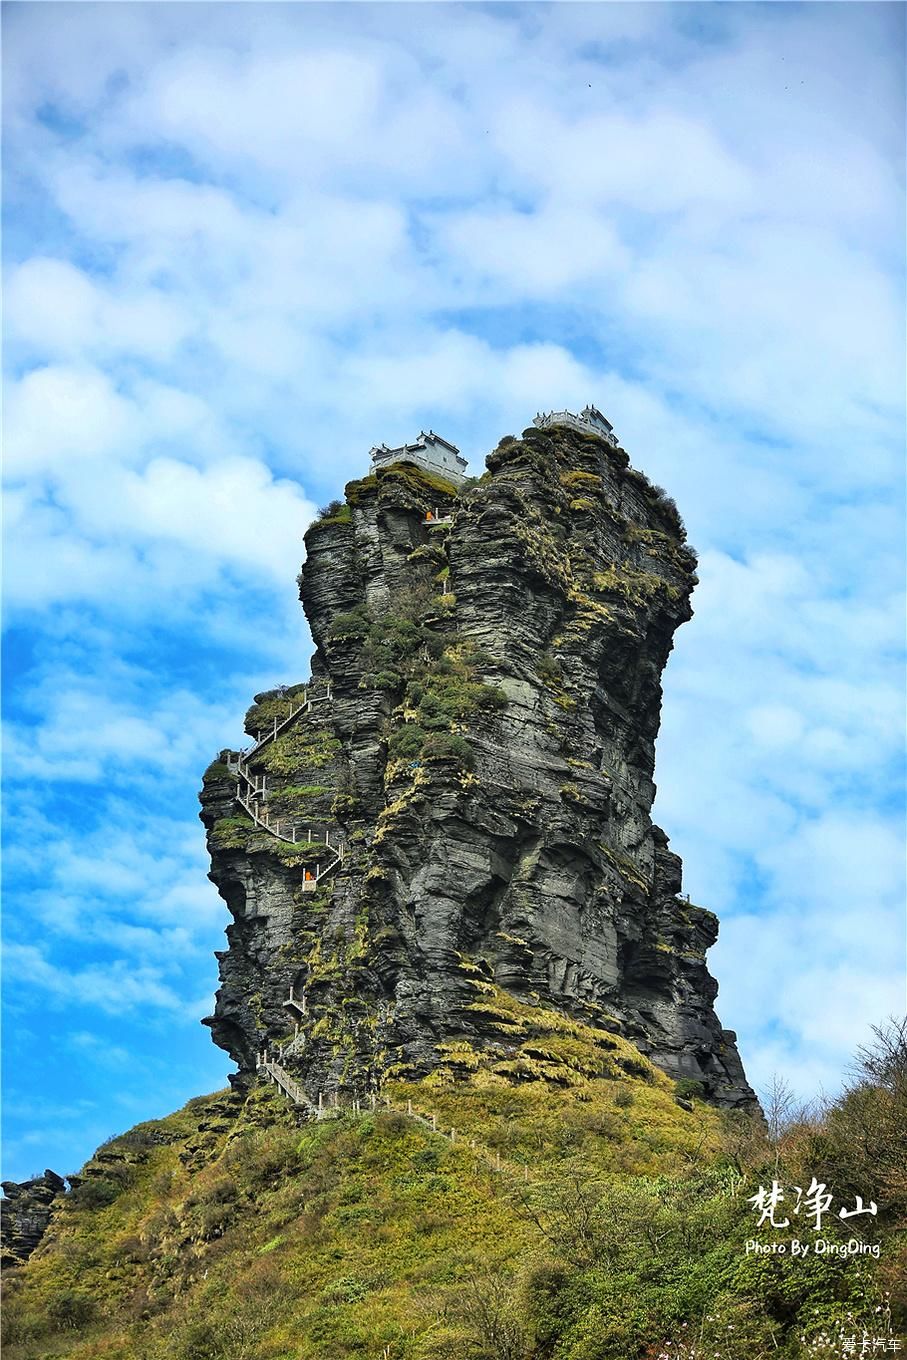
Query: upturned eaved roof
[590, 418]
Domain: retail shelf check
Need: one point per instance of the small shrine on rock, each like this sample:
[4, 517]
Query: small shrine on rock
[590, 421]
[429, 451]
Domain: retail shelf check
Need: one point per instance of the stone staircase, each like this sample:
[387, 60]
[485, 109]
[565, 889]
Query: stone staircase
[269, 1067]
[272, 1070]
[298, 1010]
[251, 793]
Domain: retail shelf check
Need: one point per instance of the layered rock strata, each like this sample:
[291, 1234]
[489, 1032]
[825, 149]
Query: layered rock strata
[25, 1214]
[494, 657]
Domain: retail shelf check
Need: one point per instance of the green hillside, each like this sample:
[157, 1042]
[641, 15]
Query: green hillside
[578, 1212]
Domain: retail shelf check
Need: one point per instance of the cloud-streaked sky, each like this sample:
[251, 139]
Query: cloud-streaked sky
[246, 242]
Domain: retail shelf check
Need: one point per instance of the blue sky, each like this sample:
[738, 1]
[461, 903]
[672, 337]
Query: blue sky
[244, 243]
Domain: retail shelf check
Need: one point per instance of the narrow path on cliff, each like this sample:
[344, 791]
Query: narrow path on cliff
[269, 1068]
[252, 798]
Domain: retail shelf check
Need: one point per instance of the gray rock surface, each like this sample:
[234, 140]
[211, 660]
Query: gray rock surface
[25, 1212]
[488, 752]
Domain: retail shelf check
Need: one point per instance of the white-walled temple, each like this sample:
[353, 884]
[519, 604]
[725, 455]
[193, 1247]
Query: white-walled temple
[590, 420]
[429, 451]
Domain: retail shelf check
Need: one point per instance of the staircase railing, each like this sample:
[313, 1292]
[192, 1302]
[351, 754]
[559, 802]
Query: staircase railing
[310, 696]
[252, 800]
[281, 1077]
[267, 1067]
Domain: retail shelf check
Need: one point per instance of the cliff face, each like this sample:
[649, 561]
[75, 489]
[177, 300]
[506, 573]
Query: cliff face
[25, 1213]
[481, 738]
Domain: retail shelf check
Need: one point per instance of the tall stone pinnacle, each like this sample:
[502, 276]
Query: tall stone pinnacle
[464, 791]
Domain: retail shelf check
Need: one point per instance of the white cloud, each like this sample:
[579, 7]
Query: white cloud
[826, 991]
[775, 726]
[113, 988]
[247, 251]
[537, 254]
[56, 308]
[152, 535]
[292, 110]
[60, 413]
[92, 726]
[453, 371]
[62, 418]
[231, 512]
[659, 162]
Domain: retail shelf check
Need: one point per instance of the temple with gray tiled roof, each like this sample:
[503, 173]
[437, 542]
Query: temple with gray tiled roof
[429, 451]
[589, 420]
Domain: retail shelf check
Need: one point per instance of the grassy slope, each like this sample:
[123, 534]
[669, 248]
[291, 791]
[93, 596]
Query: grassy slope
[613, 1221]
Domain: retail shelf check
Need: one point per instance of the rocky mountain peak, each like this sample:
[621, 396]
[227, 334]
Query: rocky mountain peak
[458, 804]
